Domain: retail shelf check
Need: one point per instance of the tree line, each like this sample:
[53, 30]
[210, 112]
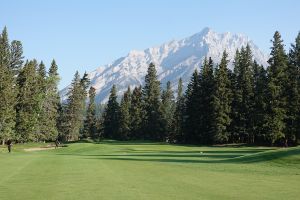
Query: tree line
[251, 104]
[28, 95]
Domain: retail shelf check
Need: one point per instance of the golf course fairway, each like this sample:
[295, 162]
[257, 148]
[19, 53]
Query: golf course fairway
[141, 170]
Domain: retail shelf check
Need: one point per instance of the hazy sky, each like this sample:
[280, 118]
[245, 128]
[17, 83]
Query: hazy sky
[82, 35]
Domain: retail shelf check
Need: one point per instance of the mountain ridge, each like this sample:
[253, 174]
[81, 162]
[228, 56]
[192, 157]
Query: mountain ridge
[173, 59]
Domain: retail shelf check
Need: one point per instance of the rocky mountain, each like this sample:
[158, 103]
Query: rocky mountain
[174, 59]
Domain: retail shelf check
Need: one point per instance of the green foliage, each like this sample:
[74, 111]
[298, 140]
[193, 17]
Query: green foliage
[222, 103]
[112, 116]
[90, 123]
[178, 119]
[125, 116]
[207, 88]
[28, 103]
[136, 113]
[152, 123]
[52, 103]
[7, 89]
[243, 101]
[74, 108]
[293, 93]
[249, 105]
[259, 107]
[276, 96]
[192, 110]
[167, 110]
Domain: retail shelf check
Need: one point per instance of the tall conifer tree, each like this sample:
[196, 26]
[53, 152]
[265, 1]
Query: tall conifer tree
[293, 91]
[90, 124]
[42, 127]
[167, 109]
[125, 116]
[276, 105]
[242, 106]
[178, 119]
[222, 102]
[112, 116]
[136, 113]
[28, 106]
[152, 124]
[192, 110]
[52, 101]
[207, 86]
[259, 107]
[74, 109]
[7, 89]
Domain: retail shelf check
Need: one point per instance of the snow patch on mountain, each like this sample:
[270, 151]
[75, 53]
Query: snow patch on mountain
[175, 59]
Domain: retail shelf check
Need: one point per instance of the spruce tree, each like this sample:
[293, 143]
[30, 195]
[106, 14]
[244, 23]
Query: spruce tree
[7, 90]
[136, 113]
[178, 119]
[90, 124]
[125, 116]
[243, 96]
[192, 110]
[28, 104]
[73, 119]
[237, 99]
[52, 101]
[152, 123]
[16, 56]
[112, 116]
[276, 95]
[167, 109]
[293, 91]
[207, 85]
[222, 102]
[42, 127]
[259, 106]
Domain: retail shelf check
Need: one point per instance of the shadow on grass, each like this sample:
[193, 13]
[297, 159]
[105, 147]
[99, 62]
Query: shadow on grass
[149, 142]
[239, 156]
[222, 156]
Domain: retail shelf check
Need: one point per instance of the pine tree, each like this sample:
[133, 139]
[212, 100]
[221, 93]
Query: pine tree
[125, 116]
[42, 127]
[7, 90]
[293, 91]
[234, 128]
[136, 113]
[243, 96]
[52, 105]
[90, 124]
[178, 119]
[16, 56]
[74, 110]
[192, 110]
[222, 102]
[112, 116]
[152, 123]
[276, 96]
[259, 107]
[167, 109]
[207, 85]
[28, 103]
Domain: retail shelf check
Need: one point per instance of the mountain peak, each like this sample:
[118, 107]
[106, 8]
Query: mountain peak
[206, 31]
[175, 59]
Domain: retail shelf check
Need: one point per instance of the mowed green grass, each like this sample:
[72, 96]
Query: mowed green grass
[116, 170]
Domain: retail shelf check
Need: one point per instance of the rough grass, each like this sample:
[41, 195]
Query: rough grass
[141, 170]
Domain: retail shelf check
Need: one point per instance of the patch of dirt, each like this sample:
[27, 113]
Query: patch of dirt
[40, 148]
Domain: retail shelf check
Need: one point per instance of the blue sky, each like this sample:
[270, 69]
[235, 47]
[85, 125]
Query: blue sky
[82, 35]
